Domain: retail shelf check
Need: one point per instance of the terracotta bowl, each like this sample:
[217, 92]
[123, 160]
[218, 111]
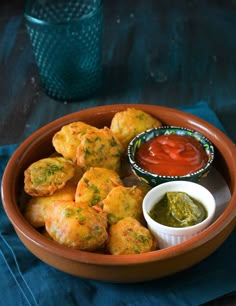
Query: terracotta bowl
[120, 268]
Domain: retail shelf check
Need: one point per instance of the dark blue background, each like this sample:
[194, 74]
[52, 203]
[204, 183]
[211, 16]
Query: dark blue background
[170, 53]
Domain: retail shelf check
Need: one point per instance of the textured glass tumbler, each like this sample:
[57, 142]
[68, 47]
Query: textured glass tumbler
[67, 42]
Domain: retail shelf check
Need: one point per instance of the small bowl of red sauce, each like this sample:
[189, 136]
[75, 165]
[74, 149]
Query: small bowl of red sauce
[170, 153]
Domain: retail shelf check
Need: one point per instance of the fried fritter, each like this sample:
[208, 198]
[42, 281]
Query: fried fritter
[35, 209]
[99, 148]
[128, 236]
[67, 139]
[124, 202]
[47, 175]
[95, 185]
[76, 225]
[126, 124]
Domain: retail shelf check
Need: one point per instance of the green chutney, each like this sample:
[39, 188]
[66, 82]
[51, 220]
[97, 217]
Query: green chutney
[178, 209]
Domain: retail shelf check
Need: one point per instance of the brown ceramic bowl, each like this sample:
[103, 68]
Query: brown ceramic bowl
[120, 268]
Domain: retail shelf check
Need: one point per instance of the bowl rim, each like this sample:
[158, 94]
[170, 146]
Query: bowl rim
[21, 225]
[198, 172]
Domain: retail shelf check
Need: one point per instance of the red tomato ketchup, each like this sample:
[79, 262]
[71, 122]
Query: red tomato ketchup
[172, 155]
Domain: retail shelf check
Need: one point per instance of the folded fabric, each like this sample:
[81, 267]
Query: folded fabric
[25, 280]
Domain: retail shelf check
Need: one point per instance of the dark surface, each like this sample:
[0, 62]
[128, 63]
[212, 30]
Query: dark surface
[169, 53]
[154, 52]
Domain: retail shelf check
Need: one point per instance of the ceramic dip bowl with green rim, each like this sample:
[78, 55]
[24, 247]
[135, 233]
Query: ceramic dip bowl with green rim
[153, 178]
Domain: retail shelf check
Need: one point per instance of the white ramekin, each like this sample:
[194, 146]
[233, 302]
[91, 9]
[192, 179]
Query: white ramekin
[169, 236]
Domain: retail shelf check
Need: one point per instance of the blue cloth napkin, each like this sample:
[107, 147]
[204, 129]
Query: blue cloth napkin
[25, 280]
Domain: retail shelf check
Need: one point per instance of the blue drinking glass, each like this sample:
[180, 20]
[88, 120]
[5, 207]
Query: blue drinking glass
[66, 37]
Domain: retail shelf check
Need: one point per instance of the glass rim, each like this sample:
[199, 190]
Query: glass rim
[40, 21]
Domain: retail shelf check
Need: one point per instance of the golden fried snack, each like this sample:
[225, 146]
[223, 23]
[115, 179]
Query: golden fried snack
[124, 202]
[99, 148]
[95, 185]
[47, 175]
[128, 236]
[67, 139]
[126, 124]
[76, 225]
[35, 209]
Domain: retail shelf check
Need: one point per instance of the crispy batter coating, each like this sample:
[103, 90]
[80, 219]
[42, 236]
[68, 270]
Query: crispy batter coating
[95, 185]
[99, 148]
[128, 236]
[77, 193]
[47, 175]
[128, 123]
[124, 202]
[35, 209]
[76, 225]
[67, 139]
